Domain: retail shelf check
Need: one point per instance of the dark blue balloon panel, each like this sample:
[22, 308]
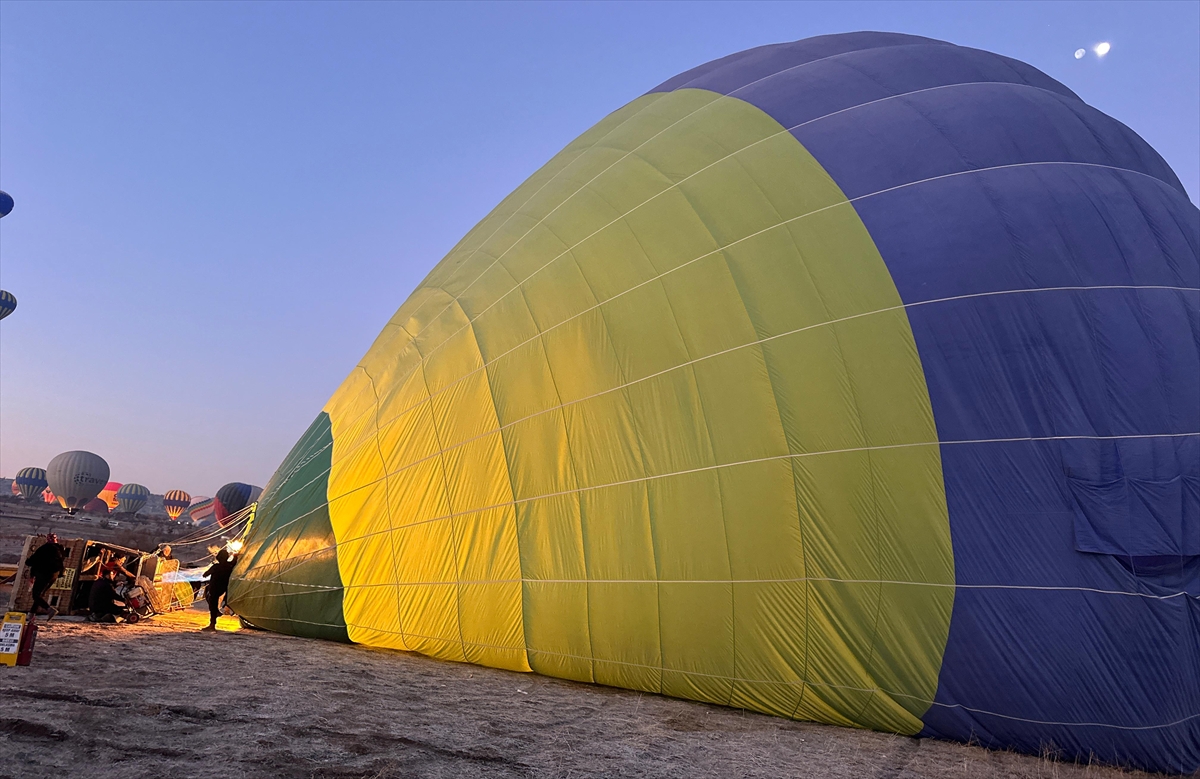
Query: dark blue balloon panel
[1048, 258]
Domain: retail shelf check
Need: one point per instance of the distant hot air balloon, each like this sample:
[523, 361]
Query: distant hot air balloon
[30, 482]
[232, 498]
[76, 477]
[15, 489]
[175, 501]
[96, 506]
[8, 303]
[109, 494]
[48, 496]
[201, 510]
[131, 498]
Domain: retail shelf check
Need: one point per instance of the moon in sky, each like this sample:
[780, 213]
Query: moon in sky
[1079, 53]
[1102, 48]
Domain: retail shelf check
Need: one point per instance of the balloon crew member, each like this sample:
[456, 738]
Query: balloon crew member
[103, 601]
[109, 562]
[218, 584]
[45, 566]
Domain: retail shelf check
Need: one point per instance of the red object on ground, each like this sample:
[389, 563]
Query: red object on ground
[28, 636]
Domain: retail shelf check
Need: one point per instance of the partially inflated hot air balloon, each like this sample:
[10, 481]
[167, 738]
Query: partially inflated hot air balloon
[131, 498]
[8, 303]
[48, 496]
[30, 482]
[175, 501]
[853, 380]
[96, 506]
[232, 498]
[201, 510]
[109, 494]
[76, 477]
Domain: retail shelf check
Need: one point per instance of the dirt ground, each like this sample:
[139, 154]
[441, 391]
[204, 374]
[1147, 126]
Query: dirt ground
[160, 699]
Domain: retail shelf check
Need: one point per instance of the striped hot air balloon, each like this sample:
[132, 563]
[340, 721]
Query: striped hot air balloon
[853, 379]
[232, 498]
[175, 502]
[48, 496]
[30, 482]
[131, 498]
[201, 510]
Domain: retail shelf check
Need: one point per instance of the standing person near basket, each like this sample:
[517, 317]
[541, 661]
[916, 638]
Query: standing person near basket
[45, 566]
[218, 584]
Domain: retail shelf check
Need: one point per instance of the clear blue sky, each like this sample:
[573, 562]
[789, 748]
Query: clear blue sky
[219, 205]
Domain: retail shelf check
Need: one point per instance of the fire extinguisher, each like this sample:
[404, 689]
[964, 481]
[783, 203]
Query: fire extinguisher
[28, 636]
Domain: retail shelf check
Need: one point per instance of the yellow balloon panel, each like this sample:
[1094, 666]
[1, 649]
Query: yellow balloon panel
[659, 422]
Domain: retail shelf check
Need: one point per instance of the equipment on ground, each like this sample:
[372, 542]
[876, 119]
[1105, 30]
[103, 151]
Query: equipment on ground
[18, 633]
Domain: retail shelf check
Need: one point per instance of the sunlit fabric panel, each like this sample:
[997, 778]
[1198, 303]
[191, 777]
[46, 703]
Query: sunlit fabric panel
[855, 379]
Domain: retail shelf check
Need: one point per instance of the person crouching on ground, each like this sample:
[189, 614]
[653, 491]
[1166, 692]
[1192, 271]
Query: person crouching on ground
[103, 601]
[45, 566]
[218, 584]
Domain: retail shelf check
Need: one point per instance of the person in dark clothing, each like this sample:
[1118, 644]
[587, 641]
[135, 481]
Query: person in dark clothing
[103, 601]
[218, 584]
[45, 566]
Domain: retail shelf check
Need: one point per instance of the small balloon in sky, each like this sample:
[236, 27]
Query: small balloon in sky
[1102, 48]
[1079, 53]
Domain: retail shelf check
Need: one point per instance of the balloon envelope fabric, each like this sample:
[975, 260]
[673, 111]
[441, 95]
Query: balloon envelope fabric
[30, 482]
[855, 379]
[232, 498]
[8, 303]
[76, 477]
[175, 501]
[132, 497]
[201, 510]
[109, 494]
